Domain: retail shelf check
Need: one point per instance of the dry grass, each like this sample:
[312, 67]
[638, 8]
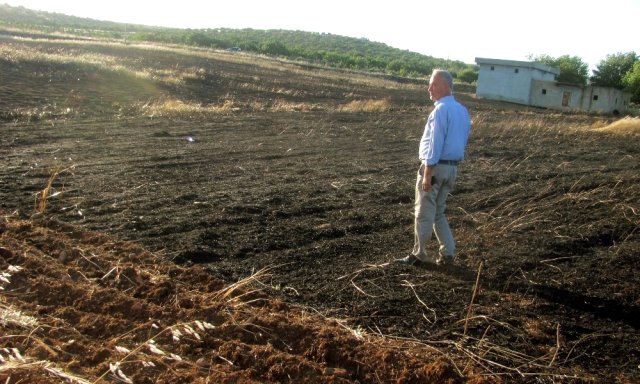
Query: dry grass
[48, 191]
[172, 107]
[626, 125]
[176, 107]
[366, 106]
[285, 106]
[11, 316]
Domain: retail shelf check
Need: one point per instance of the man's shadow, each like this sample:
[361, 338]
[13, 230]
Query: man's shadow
[597, 306]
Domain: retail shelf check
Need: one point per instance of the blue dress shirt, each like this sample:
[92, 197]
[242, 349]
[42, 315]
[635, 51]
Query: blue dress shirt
[446, 132]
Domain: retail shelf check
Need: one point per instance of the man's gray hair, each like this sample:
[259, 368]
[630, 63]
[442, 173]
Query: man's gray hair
[444, 75]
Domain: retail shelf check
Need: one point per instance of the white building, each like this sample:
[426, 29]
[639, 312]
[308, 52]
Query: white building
[535, 84]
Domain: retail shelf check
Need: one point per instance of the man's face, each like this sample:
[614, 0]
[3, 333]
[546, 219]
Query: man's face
[437, 88]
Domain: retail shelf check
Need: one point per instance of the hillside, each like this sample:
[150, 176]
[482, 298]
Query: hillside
[21, 17]
[317, 48]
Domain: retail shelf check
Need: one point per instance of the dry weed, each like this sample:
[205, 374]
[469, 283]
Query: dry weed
[44, 195]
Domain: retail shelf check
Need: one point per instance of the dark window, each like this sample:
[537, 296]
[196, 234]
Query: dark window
[595, 97]
[493, 68]
[516, 70]
[544, 91]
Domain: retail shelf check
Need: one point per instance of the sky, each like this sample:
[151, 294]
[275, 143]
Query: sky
[449, 29]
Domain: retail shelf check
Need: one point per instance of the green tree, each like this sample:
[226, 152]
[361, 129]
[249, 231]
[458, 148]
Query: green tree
[468, 75]
[632, 82]
[572, 69]
[612, 70]
[201, 39]
[396, 66]
[274, 47]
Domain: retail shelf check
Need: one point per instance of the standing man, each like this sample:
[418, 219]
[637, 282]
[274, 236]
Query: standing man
[441, 149]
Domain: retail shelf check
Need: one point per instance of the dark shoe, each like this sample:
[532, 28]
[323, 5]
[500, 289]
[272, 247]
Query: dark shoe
[409, 260]
[445, 261]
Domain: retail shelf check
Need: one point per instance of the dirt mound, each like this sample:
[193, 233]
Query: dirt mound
[81, 307]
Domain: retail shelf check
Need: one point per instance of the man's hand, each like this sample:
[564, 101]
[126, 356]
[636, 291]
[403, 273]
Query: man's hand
[426, 178]
[426, 184]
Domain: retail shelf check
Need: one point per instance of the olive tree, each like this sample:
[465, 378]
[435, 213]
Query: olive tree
[572, 69]
[631, 82]
[612, 70]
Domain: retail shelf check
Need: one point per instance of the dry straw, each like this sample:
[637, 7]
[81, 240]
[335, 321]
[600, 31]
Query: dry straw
[11, 315]
[45, 194]
[627, 125]
[366, 106]
[473, 297]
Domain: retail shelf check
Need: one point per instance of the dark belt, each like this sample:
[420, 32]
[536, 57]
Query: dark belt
[448, 162]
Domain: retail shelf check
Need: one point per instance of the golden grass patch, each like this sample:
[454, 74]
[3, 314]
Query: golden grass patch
[366, 106]
[626, 125]
[179, 107]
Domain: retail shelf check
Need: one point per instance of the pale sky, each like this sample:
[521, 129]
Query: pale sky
[457, 30]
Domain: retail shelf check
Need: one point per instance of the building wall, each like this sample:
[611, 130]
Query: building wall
[534, 84]
[568, 97]
[502, 83]
[609, 100]
[509, 80]
[549, 94]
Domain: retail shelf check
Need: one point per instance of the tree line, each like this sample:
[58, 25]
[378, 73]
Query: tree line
[316, 48]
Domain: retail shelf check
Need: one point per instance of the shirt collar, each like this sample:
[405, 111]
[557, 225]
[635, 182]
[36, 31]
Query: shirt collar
[444, 99]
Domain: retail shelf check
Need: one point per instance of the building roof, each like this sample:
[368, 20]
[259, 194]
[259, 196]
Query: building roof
[521, 64]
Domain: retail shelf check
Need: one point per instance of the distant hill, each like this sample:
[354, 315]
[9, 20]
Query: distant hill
[317, 48]
[20, 17]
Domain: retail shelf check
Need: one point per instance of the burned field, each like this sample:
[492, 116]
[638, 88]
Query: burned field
[259, 204]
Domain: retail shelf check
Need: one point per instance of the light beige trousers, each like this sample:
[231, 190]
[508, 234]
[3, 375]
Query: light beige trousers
[429, 213]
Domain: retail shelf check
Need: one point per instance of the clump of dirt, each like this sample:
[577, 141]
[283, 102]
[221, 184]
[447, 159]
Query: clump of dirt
[81, 307]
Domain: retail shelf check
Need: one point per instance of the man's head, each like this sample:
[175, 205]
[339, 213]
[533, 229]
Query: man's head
[440, 84]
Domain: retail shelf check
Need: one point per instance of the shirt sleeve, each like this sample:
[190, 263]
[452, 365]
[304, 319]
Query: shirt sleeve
[436, 129]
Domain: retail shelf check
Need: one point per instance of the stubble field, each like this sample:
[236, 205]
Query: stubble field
[217, 217]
